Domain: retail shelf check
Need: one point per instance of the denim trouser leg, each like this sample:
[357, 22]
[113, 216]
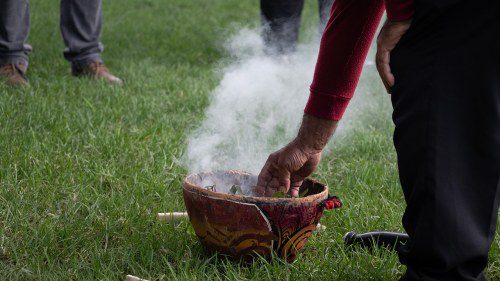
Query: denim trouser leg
[14, 29]
[81, 22]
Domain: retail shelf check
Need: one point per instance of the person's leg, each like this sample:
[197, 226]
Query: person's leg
[14, 29]
[281, 24]
[324, 13]
[81, 23]
[447, 113]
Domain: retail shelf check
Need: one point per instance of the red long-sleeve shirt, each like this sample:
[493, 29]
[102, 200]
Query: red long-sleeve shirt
[343, 50]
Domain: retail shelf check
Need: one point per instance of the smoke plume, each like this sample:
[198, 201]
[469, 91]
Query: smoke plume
[256, 108]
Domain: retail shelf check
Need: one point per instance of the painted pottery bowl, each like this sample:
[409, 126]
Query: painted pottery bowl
[243, 226]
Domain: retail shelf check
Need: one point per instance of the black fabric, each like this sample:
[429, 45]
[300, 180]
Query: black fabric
[446, 103]
[281, 22]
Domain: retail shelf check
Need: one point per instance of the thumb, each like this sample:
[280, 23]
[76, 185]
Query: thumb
[294, 190]
[384, 69]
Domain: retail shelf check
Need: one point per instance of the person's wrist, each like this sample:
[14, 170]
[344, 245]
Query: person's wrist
[314, 133]
[402, 25]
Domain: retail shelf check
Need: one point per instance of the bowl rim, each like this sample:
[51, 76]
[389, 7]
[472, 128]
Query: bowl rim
[191, 187]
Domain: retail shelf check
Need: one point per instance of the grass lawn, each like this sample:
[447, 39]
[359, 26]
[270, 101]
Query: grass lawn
[84, 167]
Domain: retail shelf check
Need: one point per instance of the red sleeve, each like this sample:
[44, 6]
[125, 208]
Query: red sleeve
[343, 49]
[399, 10]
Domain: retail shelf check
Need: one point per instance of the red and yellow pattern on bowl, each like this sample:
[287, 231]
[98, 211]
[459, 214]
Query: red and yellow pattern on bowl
[245, 226]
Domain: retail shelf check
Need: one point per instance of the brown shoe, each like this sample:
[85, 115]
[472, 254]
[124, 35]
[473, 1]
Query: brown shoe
[97, 70]
[14, 74]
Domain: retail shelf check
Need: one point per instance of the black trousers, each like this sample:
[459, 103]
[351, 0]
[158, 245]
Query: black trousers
[281, 22]
[447, 115]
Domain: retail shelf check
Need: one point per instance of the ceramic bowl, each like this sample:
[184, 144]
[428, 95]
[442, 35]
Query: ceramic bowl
[243, 226]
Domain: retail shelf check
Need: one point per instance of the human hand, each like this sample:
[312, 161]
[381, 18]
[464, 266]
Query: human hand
[387, 39]
[286, 168]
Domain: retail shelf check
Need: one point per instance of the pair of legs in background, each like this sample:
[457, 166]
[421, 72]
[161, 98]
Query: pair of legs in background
[447, 115]
[81, 24]
[281, 22]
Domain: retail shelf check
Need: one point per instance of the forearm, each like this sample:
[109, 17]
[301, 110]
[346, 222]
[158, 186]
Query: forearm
[314, 133]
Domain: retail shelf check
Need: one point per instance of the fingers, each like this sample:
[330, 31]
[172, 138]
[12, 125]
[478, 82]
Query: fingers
[296, 180]
[272, 178]
[389, 36]
[285, 171]
[295, 188]
[280, 179]
[306, 170]
[384, 69]
[264, 178]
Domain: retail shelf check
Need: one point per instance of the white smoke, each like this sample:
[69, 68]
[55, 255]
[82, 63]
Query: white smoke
[256, 108]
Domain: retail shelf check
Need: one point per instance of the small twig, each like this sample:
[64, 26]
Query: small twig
[133, 278]
[173, 216]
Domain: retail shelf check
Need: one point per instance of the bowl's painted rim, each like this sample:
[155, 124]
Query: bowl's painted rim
[189, 186]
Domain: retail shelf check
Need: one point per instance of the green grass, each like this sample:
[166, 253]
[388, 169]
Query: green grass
[84, 167]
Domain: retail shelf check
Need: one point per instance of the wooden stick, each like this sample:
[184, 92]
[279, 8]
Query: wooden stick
[133, 278]
[172, 216]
